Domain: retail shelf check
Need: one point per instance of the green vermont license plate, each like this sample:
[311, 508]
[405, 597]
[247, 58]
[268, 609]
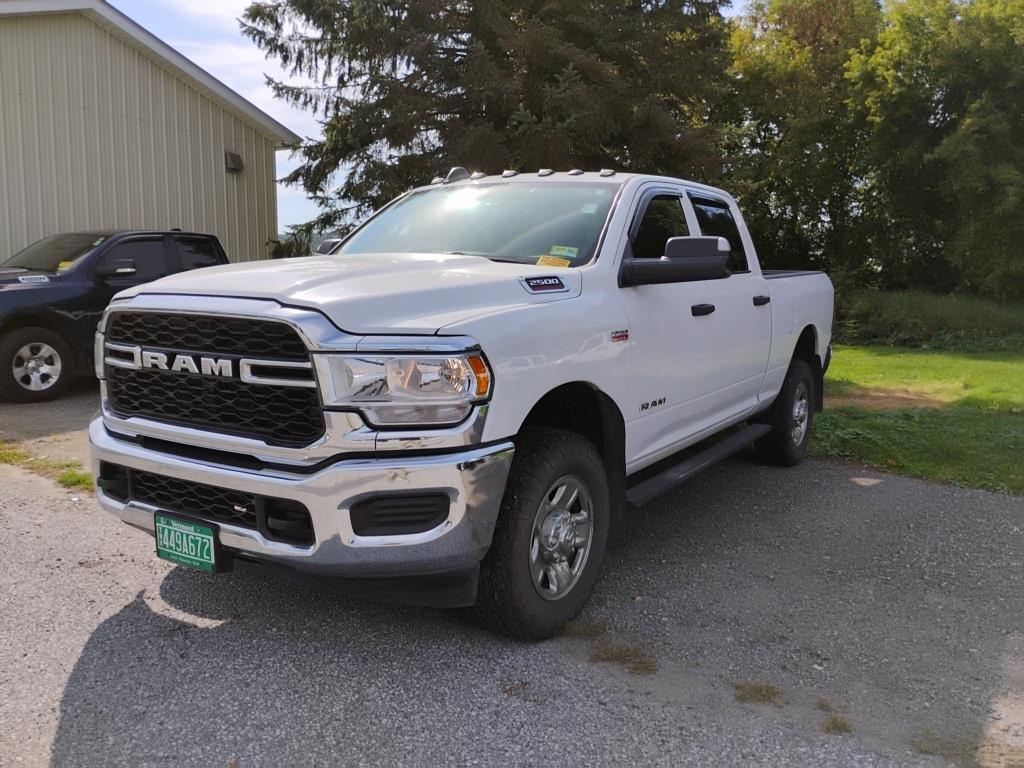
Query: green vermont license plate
[185, 542]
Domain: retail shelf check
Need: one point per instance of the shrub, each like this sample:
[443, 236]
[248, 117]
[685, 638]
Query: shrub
[919, 319]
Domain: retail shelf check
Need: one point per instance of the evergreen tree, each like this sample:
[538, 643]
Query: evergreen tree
[408, 88]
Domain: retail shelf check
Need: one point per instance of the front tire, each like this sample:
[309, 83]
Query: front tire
[550, 537]
[791, 418]
[35, 365]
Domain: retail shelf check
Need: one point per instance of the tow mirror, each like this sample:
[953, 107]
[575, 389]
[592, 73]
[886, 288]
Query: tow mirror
[686, 259]
[117, 268]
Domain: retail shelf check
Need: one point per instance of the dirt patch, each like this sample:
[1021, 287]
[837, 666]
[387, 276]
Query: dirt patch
[883, 399]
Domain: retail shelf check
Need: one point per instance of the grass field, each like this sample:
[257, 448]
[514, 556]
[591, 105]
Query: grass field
[955, 417]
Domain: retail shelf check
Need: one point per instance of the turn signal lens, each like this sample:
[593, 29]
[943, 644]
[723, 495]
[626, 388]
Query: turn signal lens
[483, 376]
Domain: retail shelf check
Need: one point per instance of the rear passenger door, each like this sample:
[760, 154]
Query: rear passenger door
[745, 327]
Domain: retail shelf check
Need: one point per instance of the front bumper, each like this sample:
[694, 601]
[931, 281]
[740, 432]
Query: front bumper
[474, 480]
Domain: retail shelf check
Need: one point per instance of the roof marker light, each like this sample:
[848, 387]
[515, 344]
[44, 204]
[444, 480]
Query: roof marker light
[606, 172]
[509, 174]
[575, 172]
[477, 175]
[545, 172]
[458, 173]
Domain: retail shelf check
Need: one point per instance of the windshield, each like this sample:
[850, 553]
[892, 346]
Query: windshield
[548, 223]
[56, 253]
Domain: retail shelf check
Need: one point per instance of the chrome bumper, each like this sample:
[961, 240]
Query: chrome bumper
[474, 480]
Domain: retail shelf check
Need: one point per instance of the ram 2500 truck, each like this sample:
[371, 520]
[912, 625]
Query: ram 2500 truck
[456, 405]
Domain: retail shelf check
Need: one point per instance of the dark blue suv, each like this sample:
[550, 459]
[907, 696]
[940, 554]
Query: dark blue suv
[53, 293]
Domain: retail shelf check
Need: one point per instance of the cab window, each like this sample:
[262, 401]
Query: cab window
[715, 219]
[663, 219]
[196, 252]
[148, 255]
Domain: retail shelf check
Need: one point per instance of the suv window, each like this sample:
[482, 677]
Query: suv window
[663, 218]
[148, 255]
[196, 252]
[715, 220]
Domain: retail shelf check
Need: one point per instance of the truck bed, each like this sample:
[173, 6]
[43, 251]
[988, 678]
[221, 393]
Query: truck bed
[772, 274]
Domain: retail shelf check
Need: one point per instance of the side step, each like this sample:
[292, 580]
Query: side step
[643, 492]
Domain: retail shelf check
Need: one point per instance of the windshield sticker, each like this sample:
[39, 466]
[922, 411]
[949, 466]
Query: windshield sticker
[553, 261]
[64, 265]
[33, 279]
[549, 284]
[590, 208]
[563, 250]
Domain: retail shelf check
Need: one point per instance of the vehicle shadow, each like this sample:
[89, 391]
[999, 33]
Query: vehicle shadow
[804, 579]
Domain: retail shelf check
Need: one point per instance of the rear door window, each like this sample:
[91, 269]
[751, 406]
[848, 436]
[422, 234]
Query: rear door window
[197, 252]
[663, 219]
[715, 220]
[148, 255]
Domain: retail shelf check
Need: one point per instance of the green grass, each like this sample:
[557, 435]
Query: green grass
[75, 479]
[67, 473]
[971, 433]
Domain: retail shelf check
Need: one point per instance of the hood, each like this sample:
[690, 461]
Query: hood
[378, 293]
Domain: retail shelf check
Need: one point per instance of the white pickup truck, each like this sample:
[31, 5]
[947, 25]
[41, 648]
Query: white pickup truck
[454, 407]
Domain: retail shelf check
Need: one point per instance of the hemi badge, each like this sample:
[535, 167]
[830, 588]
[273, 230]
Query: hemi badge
[549, 284]
[618, 336]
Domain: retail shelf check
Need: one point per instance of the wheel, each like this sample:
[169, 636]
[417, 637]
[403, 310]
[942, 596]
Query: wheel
[550, 537]
[35, 365]
[791, 418]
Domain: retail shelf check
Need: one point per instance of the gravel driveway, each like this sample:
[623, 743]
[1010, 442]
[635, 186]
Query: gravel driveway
[893, 604]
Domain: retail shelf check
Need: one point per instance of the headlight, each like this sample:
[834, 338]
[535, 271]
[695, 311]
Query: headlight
[405, 390]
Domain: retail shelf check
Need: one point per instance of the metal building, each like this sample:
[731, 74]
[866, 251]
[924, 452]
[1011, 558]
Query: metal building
[102, 125]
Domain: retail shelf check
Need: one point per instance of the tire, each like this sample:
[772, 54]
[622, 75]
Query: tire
[519, 578]
[43, 360]
[786, 445]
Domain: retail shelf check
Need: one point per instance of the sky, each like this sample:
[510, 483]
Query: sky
[206, 31]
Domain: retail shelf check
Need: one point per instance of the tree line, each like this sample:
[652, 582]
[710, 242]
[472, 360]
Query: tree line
[883, 142]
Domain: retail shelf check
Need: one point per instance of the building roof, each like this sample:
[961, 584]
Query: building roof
[136, 36]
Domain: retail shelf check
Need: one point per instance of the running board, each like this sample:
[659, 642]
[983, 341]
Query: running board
[643, 492]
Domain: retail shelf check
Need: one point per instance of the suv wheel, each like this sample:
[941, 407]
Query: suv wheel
[35, 365]
[550, 537]
[791, 418]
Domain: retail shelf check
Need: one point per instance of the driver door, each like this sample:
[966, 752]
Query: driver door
[675, 357]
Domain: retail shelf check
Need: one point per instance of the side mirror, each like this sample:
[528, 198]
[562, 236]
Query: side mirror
[118, 268]
[686, 259]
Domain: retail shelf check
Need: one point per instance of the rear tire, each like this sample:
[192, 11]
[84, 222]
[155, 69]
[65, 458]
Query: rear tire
[550, 536]
[35, 365]
[791, 418]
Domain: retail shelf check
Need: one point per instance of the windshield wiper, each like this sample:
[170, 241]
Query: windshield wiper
[484, 256]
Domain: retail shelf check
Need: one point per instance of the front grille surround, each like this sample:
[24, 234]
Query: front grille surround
[276, 519]
[276, 414]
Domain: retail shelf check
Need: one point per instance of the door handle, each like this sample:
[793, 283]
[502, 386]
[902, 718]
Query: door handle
[760, 301]
[699, 310]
